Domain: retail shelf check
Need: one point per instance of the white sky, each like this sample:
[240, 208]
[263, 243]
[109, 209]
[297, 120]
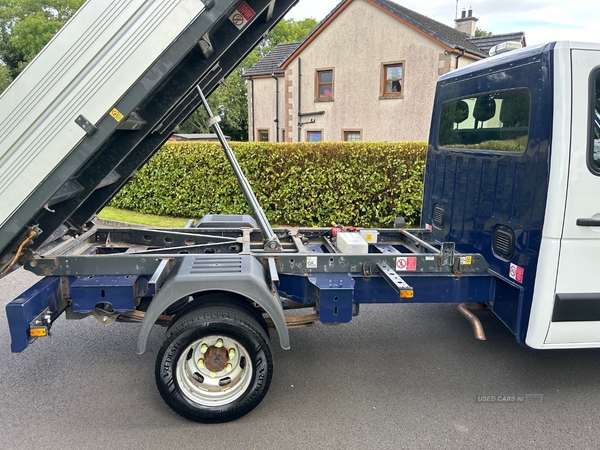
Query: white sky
[541, 20]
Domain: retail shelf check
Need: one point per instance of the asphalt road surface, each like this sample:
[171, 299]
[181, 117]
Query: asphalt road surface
[398, 376]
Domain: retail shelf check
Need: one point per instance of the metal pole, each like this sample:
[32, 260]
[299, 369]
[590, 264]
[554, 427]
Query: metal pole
[271, 240]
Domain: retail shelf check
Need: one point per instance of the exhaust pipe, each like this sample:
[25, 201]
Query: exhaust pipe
[466, 310]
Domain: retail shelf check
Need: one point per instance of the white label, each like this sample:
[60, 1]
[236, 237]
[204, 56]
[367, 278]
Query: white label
[311, 262]
[406, 264]
[516, 273]
[242, 15]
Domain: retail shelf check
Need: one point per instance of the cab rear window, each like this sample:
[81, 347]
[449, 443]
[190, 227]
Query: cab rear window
[494, 122]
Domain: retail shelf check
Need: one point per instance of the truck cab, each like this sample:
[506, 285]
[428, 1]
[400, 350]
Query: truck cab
[512, 167]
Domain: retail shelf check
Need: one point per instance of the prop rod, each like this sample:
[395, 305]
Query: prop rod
[271, 240]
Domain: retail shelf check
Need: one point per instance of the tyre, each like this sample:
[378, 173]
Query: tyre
[215, 364]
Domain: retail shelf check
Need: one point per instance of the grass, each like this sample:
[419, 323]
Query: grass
[123, 215]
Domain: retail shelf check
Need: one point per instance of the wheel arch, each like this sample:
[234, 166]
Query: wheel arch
[249, 283]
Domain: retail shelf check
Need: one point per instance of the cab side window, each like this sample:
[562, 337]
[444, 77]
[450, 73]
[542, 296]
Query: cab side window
[595, 125]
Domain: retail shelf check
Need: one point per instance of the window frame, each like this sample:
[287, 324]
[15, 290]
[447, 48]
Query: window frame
[263, 130]
[351, 130]
[314, 131]
[318, 84]
[593, 167]
[383, 94]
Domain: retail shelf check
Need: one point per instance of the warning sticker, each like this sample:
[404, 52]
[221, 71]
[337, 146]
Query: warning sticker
[242, 15]
[466, 260]
[516, 273]
[429, 227]
[406, 263]
[116, 114]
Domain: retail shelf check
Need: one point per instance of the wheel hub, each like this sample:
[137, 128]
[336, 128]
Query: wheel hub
[215, 359]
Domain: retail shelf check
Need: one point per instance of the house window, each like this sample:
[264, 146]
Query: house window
[352, 136]
[314, 136]
[392, 80]
[263, 135]
[324, 85]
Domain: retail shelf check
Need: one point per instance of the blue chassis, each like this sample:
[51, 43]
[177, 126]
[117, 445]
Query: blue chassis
[335, 294]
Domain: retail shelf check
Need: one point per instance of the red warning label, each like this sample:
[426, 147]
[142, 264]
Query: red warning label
[242, 15]
[406, 263]
[516, 273]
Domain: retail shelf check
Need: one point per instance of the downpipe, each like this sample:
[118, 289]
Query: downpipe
[466, 310]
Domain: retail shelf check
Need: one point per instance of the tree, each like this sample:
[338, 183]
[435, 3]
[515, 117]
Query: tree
[5, 77]
[482, 33]
[230, 99]
[26, 26]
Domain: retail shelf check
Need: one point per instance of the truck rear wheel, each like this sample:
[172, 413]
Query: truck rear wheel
[215, 364]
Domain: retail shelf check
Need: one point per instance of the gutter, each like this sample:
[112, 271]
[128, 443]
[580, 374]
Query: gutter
[457, 58]
[276, 103]
[253, 127]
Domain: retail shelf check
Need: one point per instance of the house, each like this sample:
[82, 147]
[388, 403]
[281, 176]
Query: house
[367, 72]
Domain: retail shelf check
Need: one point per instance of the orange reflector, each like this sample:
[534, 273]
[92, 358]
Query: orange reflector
[38, 332]
[407, 294]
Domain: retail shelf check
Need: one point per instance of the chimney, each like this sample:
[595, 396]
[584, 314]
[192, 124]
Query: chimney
[467, 22]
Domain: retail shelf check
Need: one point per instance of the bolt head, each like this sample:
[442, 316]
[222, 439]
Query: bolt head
[228, 368]
[212, 375]
[200, 364]
[219, 343]
[204, 348]
[231, 353]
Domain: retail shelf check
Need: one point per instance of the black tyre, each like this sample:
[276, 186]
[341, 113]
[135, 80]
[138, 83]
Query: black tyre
[215, 364]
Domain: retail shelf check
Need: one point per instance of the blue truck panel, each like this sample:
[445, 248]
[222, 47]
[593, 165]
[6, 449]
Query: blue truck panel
[45, 295]
[482, 196]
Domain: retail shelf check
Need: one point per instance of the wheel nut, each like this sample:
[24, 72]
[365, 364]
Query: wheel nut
[231, 353]
[228, 368]
[212, 375]
[203, 348]
[219, 343]
[200, 364]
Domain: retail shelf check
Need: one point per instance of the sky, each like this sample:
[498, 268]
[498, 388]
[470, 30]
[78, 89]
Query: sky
[541, 20]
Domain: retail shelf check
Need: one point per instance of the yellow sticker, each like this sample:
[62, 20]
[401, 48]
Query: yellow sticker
[116, 114]
[466, 260]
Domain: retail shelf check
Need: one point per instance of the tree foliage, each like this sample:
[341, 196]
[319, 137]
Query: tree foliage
[482, 33]
[26, 26]
[5, 77]
[230, 99]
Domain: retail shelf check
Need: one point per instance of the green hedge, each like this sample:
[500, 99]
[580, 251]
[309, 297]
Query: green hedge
[361, 184]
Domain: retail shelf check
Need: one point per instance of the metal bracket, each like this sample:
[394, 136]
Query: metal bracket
[446, 256]
[273, 275]
[395, 280]
[87, 126]
[212, 120]
[367, 270]
[160, 274]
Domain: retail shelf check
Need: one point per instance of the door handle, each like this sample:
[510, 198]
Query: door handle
[588, 222]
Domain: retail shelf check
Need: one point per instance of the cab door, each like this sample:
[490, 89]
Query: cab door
[576, 313]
